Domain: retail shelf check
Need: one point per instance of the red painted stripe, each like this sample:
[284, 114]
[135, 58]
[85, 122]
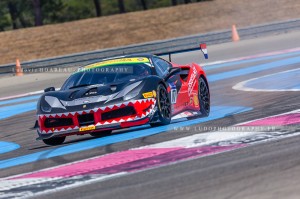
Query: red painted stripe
[164, 158]
[128, 161]
[280, 120]
[98, 163]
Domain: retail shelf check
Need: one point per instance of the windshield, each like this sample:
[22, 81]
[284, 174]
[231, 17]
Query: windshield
[107, 75]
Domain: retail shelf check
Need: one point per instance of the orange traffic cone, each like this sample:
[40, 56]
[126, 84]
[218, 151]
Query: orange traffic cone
[235, 34]
[19, 71]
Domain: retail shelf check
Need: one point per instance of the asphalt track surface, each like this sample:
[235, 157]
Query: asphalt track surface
[264, 170]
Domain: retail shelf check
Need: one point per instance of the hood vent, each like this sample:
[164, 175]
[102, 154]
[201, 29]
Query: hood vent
[92, 91]
[73, 94]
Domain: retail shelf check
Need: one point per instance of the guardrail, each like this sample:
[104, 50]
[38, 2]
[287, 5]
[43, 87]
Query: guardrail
[158, 47]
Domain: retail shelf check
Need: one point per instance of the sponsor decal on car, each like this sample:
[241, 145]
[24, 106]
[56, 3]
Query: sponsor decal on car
[119, 61]
[87, 128]
[192, 81]
[196, 100]
[191, 101]
[148, 94]
[154, 93]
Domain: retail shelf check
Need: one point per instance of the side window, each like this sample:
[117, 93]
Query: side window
[161, 66]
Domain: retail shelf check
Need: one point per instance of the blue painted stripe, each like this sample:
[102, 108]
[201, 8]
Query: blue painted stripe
[216, 113]
[22, 99]
[253, 69]
[7, 147]
[234, 63]
[9, 111]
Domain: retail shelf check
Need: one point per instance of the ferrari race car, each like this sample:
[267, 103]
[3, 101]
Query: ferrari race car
[122, 92]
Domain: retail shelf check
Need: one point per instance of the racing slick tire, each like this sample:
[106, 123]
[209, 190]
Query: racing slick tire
[54, 141]
[163, 105]
[101, 133]
[204, 97]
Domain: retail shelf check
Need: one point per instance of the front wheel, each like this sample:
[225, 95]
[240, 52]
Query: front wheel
[204, 97]
[54, 141]
[164, 106]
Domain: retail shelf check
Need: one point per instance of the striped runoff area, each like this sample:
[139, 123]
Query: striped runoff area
[130, 161]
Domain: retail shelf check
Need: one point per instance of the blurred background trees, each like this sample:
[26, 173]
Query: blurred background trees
[16, 14]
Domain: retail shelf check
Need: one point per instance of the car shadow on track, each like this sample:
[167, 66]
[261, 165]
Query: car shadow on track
[90, 138]
[116, 132]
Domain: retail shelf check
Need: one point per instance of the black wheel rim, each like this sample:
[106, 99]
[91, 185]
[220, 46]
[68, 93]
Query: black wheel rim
[164, 103]
[204, 95]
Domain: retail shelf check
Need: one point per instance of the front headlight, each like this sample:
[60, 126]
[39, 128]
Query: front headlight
[45, 107]
[51, 102]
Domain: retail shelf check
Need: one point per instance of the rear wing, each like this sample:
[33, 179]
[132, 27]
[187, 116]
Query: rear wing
[202, 47]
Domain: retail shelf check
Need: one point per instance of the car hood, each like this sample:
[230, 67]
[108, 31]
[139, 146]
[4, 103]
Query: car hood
[88, 97]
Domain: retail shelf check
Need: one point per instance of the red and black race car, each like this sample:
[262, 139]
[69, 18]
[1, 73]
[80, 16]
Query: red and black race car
[122, 92]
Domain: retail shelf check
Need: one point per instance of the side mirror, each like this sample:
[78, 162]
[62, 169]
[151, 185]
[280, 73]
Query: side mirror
[49, 89]
[172, 71]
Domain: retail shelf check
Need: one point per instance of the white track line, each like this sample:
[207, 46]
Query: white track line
[241, 86]
[201, 139]
[24, 95]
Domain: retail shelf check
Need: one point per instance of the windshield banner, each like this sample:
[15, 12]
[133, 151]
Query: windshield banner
[118, 61]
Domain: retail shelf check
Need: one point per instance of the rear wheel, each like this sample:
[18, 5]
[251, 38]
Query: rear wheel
[163, 105]
[101, 133]
[204, 97]
[54, 141]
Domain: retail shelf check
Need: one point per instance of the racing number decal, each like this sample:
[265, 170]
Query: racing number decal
[173, 93]
[173, 96]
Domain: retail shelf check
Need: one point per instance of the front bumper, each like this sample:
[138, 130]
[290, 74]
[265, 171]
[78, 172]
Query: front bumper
[144, 110]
